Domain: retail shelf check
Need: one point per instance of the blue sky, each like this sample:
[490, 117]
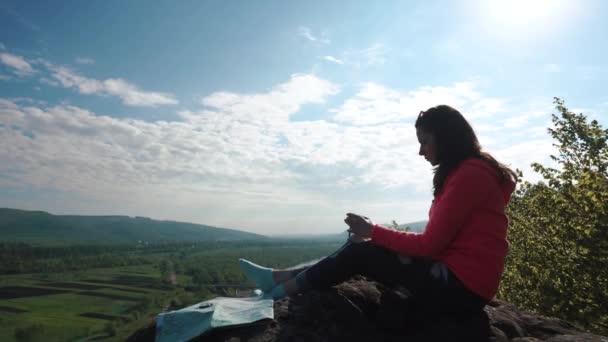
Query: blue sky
[273, 116]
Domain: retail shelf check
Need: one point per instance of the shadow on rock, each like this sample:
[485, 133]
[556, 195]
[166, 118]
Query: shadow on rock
[360, 310]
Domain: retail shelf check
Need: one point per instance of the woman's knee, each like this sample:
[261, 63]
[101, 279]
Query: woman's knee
[367, 253]
[362, 249]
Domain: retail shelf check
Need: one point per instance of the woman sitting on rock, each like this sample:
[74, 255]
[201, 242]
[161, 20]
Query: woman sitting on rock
[456, 263]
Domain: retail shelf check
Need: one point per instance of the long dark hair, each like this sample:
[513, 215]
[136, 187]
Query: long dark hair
[455, 142]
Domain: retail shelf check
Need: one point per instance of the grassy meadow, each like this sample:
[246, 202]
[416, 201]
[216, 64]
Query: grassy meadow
[109, 303]
[73, 305]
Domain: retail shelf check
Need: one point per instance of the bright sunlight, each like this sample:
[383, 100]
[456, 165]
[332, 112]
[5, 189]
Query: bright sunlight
[521, 19]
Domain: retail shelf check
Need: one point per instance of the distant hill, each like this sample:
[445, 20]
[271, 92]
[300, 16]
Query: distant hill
[42, 227]
[417, 226]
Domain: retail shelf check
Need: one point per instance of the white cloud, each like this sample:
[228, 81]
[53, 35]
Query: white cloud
[380, 109]
[522, 120]
[306, 33]
[522, 154]
[360, 58]
[5, 78]
[373, 55]
[225, 156]
[84, 60]
[132, 162]
[130, 94]
[238, 155]
[275, 105]
[21, 67]
[53, 83]
[333, 60]
[484, 108]
[375, 104]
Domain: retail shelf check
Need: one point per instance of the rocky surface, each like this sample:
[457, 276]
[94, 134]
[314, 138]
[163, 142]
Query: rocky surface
[360, 310]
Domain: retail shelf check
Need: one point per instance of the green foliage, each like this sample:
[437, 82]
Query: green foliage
[33, 332]
[166, 271]
[109, 328]
[558, 262]
[18, 258]
[396, 226]
[203, 270]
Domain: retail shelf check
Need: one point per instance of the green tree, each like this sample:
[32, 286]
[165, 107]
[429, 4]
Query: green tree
[200, 278]
[166, 271]
[109, 328]
[33, 332]
[396, 226]
[558, 262]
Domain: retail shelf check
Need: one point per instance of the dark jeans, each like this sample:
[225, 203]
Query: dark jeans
[431, 293]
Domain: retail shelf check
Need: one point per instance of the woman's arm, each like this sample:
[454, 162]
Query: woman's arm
[463, 192]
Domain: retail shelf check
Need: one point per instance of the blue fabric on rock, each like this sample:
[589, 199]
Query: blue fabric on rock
[192, 321]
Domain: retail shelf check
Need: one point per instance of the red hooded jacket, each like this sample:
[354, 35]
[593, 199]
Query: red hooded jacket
[467, 228]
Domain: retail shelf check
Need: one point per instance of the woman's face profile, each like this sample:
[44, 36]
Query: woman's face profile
[428, 149]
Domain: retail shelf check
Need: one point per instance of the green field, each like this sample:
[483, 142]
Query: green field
[110, 303]
[111, 299]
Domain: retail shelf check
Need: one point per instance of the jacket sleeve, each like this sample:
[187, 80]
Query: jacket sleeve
[464, 191]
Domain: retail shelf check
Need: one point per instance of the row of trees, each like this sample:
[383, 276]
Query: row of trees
[558, 261]
[206, 267]
[18, 257]
[16, 265]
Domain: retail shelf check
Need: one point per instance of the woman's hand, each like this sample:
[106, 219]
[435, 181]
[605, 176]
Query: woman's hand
[359, 225]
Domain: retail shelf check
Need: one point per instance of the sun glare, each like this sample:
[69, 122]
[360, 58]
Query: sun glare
[523, 18]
